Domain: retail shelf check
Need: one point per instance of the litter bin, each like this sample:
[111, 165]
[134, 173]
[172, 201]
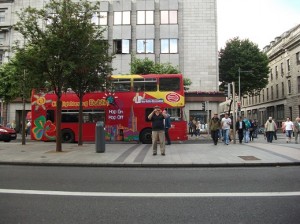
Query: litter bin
[100, 137]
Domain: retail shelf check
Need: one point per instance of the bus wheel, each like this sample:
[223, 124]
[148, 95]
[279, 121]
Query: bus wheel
[146, 136]
[67, 136]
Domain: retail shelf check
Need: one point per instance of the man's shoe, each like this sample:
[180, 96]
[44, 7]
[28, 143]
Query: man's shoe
[154, 153]
[163, 154]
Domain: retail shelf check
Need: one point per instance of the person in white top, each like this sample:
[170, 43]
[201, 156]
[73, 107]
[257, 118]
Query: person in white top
[225, 124]
[288, 128]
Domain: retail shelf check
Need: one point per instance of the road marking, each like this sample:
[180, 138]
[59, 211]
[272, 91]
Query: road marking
[153, 195]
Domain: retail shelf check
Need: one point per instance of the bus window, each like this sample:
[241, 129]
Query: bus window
[122, 85]
[145, 85]
[69, 117]
[50, 116]
[169, 84]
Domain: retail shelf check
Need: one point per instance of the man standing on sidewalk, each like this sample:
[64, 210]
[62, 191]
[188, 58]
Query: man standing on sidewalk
[158, 129]
[270, 128]
[214, 126]
[297, 129]
[225, 123]
[240, 126]
[288, 128]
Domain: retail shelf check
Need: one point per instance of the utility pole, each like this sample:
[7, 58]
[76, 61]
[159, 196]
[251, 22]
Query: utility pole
[233, 114]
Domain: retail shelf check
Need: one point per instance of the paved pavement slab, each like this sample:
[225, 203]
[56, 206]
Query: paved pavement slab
[192, 153]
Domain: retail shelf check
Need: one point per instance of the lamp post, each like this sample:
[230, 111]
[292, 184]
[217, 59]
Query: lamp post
[240, 71]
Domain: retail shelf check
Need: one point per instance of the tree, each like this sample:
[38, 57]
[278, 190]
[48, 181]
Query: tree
[93, 68]
[146, 66]
[55, 34]
[246, 56]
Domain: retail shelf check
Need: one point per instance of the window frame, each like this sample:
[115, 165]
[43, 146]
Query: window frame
[145, 47]
[146, 17]
[123, 19]
[166, 17]
[168, 49]
[122, 43]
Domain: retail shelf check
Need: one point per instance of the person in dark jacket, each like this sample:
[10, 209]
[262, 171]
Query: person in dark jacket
[214, 126]
[167, 127]
[240, 126]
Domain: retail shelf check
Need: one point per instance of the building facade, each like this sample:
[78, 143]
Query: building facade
[180, 32]
[281, 98]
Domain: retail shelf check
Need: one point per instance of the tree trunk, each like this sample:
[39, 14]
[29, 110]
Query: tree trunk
[58, 124]
[80, 120]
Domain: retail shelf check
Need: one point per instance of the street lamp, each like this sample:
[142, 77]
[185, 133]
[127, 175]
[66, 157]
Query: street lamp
[240, 71]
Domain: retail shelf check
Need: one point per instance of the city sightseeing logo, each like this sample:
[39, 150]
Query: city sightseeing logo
[173, 97]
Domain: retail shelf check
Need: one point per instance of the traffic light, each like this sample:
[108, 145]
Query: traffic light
[203, 106]
[227, 91]
[239, 106]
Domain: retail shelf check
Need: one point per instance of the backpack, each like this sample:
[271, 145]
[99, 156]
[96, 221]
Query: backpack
[247, 123]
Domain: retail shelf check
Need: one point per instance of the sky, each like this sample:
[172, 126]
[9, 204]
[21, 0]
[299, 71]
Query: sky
[260, 21]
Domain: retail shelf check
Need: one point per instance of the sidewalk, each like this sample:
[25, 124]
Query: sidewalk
[192, 153]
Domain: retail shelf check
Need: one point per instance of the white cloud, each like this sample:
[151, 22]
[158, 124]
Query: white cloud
[259, 21]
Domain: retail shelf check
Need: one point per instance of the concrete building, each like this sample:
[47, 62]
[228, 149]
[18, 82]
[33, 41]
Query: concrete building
[281, 98]
[182, 32]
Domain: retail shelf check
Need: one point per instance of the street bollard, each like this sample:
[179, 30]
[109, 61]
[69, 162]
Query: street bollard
[100, 137]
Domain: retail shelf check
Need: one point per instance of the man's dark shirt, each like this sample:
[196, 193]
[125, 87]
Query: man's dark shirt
[157, 122]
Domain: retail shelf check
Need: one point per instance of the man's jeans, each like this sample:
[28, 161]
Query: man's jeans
[226, 136]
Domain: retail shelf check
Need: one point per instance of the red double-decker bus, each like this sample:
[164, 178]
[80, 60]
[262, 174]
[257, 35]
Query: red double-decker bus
[124, 110]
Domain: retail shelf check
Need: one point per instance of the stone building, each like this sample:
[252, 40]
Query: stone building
[182, 32]
[281, 98]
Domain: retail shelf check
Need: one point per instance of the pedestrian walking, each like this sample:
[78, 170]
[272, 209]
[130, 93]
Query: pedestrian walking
[288, 129]
[275, 132]
[158, 129]
[270, 128]
[28, 126]
[240, 126]
[193, 126]
[215, 126]
[198, 128]
[167, 127]
[225, 123]
[297, 129]
[247, 130]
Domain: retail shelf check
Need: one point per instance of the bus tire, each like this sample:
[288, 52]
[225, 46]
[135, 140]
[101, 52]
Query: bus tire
[67, 136]
[146, 136]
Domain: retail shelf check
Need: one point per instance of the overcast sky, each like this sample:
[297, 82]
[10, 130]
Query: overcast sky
[258, 20]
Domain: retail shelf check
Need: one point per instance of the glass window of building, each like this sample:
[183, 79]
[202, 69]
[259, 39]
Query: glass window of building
[145, 46]
[2, 38]
[281, 69]
[122, 46]
[122, 18]
[100, 18]
[277, 91]
[298, 57]
[282, 89]
[289, 86]
[298, 82]
[168, 17]
[145, 17]
[2, 16]
[288, 63]
[168, 46]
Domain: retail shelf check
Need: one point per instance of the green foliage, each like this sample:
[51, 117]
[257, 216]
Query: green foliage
[66, 50]
[245, 55]
[10, 82]
[146, 66]
[187, 82]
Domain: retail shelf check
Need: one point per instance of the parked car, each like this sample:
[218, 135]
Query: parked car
[7, 134]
